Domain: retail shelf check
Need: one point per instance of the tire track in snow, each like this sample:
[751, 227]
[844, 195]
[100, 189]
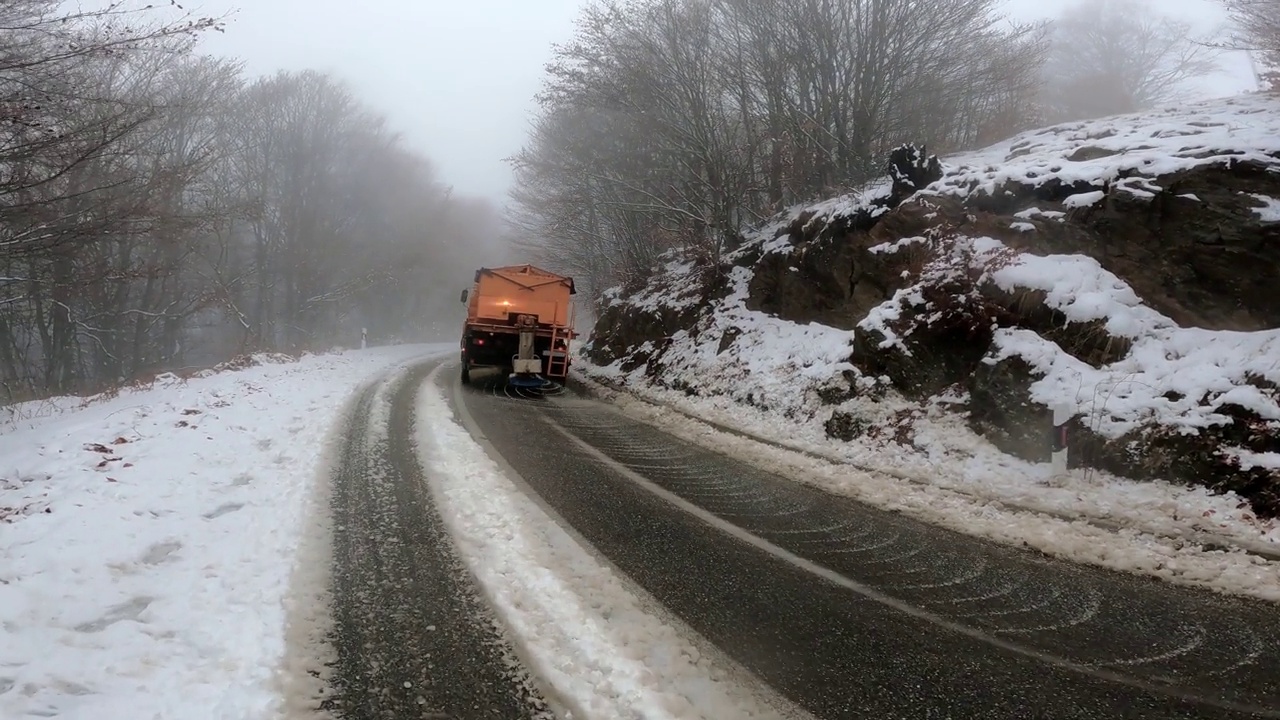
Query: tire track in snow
[411, 634]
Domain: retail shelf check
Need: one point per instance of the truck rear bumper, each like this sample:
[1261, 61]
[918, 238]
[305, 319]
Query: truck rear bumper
[497, 346]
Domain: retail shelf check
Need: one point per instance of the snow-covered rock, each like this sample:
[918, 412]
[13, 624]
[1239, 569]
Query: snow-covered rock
[1124, 269]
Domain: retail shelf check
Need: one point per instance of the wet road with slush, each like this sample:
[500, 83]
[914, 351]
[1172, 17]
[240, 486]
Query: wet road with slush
[854, 612]
[412, 635]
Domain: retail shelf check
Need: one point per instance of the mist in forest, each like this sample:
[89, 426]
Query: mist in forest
[161, 210]
[180, 185]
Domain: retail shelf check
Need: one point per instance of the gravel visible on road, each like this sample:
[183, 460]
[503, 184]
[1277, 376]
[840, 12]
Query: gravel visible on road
[412, 636]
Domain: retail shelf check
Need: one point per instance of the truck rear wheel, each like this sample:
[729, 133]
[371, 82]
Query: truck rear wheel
[466, 373]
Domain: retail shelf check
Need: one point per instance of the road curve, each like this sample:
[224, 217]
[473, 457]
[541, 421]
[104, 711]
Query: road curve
[854, 612]
[412, 637]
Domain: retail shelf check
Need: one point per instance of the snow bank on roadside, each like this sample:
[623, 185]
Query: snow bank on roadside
[769, 389]
[768, 382]
[784, 355]
[148, 539]
[982, 496]
[585, 633]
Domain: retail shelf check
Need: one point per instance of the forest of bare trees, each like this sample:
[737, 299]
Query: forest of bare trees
[1109, 57]
[159, 210]
[671, 123]
[678, 123]
[1258, 23]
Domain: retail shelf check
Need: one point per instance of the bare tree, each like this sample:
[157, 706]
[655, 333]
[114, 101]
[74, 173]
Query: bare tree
[576, 208]
[1259, 24]
[70, 91]
[676, 123]
[1113, 56]
[341, 218]
[156, 211]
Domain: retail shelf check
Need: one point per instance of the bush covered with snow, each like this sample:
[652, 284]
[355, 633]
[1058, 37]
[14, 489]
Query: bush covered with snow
[1123, 268]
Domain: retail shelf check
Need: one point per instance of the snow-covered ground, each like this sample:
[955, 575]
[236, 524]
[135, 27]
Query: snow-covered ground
[147, 540]
[586, 631]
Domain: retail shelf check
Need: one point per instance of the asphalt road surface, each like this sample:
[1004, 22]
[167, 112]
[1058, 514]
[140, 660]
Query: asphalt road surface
[412, 637]
[849, 611]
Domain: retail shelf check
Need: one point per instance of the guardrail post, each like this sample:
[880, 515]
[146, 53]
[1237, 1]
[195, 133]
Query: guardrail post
[364, 338]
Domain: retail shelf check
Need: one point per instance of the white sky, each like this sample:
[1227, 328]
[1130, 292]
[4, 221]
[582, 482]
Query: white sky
[457, 77]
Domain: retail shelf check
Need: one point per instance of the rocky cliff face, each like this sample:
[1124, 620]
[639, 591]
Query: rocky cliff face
[1126, 269]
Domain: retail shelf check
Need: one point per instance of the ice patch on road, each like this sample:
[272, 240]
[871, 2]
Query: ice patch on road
[583, 631]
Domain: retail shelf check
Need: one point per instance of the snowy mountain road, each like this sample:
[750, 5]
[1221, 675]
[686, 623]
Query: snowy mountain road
[412, 637]
[850, 611]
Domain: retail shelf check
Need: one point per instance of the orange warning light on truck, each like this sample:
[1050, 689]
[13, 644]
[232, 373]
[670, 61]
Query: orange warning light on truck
[519, 319]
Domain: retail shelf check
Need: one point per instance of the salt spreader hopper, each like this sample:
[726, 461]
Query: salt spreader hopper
[520, 319]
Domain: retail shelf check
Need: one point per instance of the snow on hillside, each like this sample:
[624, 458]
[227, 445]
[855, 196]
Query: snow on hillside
[1097, 152]
[1174, 376]
[780, 380]
[785, 355]
[768, 384]
[147, 539]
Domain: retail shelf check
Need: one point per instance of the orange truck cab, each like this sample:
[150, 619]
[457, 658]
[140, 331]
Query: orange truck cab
[520, 319]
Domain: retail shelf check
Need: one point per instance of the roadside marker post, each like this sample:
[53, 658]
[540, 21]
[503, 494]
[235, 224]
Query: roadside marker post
[1061, 416]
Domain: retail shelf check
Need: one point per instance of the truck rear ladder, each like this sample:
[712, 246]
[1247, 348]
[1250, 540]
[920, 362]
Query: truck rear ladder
[558, 360]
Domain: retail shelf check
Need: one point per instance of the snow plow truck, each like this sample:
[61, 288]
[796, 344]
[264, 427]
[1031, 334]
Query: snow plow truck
[519, 319]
